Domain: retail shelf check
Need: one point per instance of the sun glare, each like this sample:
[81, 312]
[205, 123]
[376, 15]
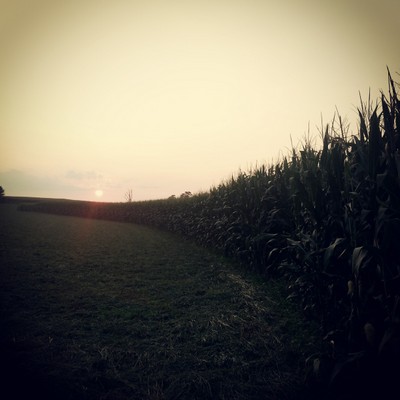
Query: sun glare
[98, 193]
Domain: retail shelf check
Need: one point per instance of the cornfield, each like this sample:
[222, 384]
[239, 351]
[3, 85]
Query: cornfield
[328, 221]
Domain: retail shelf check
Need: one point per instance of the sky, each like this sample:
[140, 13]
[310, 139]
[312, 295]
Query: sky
[160, 97]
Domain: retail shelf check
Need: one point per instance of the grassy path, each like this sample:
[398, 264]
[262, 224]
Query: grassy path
[101, 310]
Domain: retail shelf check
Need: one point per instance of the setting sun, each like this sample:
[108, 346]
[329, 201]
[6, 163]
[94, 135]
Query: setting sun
[99, 193]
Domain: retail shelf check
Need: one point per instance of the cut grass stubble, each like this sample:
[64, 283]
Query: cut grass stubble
[97, 309]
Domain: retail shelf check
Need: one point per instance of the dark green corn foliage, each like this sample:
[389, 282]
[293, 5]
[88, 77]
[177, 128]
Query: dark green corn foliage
[327, 220]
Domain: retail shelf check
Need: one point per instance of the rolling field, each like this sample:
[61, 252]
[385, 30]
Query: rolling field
[94, 309]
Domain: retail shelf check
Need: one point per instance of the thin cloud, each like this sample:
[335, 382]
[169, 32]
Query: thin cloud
[83, 175]
[21, 183]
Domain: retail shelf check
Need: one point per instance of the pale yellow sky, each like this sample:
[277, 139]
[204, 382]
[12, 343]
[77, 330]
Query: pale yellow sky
[166, 96]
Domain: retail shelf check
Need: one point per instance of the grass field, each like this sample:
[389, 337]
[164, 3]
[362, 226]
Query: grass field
[104, 310]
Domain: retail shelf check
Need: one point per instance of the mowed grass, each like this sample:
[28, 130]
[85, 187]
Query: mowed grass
[102, 310]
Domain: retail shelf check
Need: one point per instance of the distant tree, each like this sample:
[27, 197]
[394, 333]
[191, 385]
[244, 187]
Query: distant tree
[172, 197]
[2, 192]
[186, 195]
[129, 196]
